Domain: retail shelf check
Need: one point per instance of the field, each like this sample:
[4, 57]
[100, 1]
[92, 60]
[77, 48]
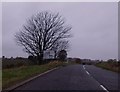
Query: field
[12, 76]
[112, 66]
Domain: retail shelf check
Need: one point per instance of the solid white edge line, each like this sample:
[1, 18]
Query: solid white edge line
[104, 88]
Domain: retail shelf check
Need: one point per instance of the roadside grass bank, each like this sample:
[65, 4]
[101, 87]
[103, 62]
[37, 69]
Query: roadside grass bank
[13, 76]
[0, 79]
[112, 66]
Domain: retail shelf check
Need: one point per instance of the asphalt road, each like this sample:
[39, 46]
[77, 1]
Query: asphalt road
[107, 78]
[75, 77]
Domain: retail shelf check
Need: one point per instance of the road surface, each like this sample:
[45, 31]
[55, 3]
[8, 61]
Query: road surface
[75, 77]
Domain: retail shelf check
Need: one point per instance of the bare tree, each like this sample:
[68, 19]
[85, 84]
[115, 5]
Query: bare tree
[41, 32]
[60, 45]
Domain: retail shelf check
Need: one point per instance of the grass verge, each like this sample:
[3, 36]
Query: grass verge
[13, 76]
[109, 66]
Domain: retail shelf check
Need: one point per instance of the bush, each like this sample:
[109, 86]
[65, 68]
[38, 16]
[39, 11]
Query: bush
[10, 63]
[78, 60]
[30, 57]
[54, 64]
[62, 55]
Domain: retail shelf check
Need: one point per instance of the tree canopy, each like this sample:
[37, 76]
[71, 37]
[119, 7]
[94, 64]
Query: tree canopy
[41, 32]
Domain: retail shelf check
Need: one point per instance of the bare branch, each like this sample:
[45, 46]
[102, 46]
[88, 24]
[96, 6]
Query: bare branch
[42, 32]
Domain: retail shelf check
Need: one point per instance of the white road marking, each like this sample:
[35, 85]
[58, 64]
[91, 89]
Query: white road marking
[87, 72]
[83, 66]
[104, 88]
[95, 80]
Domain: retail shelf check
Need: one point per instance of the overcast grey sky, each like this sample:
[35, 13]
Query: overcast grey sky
[94, 27]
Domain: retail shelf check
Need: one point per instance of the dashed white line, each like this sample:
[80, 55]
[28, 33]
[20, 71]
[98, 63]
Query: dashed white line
[104, 88]
[87, 72]
[83, 66]
[96, 80]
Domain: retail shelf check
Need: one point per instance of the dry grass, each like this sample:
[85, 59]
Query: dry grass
[112, 66]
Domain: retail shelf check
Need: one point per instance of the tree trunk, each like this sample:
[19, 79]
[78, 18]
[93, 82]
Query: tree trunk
[55, 54]
[40, 58]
